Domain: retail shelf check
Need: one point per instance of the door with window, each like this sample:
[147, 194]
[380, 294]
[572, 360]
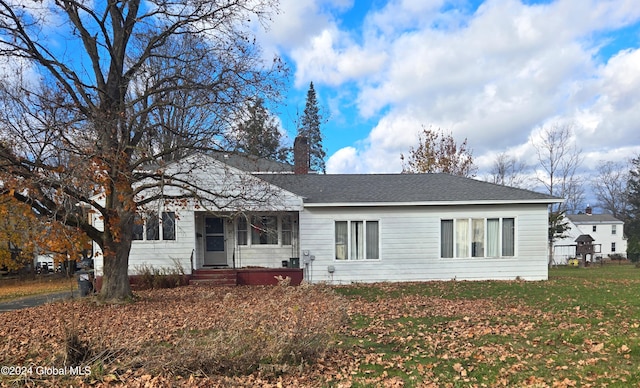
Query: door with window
[214, 252]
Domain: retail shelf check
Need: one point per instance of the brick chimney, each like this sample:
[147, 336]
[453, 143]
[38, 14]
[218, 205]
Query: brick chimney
[301, 155]
[588, 210]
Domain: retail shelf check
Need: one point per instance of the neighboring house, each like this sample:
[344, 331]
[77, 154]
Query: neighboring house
[606, 232]
[347, 228]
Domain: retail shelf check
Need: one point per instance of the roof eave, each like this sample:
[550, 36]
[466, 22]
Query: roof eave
[433, 203]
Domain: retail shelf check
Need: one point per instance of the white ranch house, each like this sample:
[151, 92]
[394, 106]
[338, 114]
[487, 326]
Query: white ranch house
[345, 228]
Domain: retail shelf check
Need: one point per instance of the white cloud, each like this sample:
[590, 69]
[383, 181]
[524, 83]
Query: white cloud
[492, 76]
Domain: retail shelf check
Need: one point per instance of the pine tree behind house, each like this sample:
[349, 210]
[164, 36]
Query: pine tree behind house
[310, 128]
[258, 133]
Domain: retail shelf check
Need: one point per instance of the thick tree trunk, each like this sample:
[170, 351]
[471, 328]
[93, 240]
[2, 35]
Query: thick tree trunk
[115, 280]
[117, 237]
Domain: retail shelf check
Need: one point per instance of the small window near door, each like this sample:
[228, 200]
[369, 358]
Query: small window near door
[613, 247]
[243, 231]
[287, 229]
[593, 228]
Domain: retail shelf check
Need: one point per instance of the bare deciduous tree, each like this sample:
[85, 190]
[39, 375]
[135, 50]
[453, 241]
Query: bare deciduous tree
[508, 171]
[126, 87]
[610, 188]
[559, 160]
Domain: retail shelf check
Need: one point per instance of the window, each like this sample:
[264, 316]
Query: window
[168, 225]
[477, 242]
[508, 236]
[138, 228]
[477, 237]
[149, 228]
[152, 226]
[264, 230]
[287, 230]
[357, 240]
[593, 228]
[446, 236]
[613, 247]
[243, 231]
[614, 229]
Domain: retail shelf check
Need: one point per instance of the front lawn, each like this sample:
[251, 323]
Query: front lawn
[579, 328]
[12, 288]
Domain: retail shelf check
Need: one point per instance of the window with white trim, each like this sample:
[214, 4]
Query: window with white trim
[613, 247]
[150, 227]
[357, 240]
[477, 237]
[264, 230]
[614, 229]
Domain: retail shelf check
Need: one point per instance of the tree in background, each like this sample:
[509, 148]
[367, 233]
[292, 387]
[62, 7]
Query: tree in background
[610, 188]
[23, 236]
[633, 218]
[310, 127]
[97, 113]
[508, 171]
[439, 152]
[258, 134]
[559, 160]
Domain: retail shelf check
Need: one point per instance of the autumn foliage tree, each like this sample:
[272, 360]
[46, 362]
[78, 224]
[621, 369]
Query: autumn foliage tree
[438, 151]
[99, 97]
[23, 236]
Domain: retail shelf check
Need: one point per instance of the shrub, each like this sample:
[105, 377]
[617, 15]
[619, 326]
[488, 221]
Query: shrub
[149, 277]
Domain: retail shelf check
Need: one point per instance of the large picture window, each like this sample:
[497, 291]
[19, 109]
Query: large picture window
[477, 237]
[357, 240]
[265, 230]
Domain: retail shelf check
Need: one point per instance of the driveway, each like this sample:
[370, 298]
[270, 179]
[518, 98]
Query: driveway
[36, 300]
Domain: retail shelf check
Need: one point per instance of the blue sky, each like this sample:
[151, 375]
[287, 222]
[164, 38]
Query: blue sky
[495, 72]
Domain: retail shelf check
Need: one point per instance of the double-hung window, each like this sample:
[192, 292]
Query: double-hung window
[477, 237]
[357, 240]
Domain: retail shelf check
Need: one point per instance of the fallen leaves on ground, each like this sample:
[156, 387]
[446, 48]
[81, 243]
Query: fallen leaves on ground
[413, 339]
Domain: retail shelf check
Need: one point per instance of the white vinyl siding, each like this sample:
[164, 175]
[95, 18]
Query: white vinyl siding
[410, 249]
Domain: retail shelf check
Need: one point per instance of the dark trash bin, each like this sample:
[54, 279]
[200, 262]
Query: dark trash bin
[285, 263]
[85, 282]
[294, 262]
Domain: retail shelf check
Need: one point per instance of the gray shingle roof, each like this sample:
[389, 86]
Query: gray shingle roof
[593, 219]
[250, 163]
[399, 188]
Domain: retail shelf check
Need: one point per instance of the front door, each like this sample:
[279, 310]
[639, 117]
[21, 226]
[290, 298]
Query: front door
[214, 242]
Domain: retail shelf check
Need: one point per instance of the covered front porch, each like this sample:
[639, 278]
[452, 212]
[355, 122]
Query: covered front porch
[232, 241]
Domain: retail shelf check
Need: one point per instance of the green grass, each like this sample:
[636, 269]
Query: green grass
[580, 327]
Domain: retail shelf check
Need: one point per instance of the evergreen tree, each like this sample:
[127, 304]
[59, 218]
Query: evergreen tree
[633, 217]
[310, 127]
[258, 134]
